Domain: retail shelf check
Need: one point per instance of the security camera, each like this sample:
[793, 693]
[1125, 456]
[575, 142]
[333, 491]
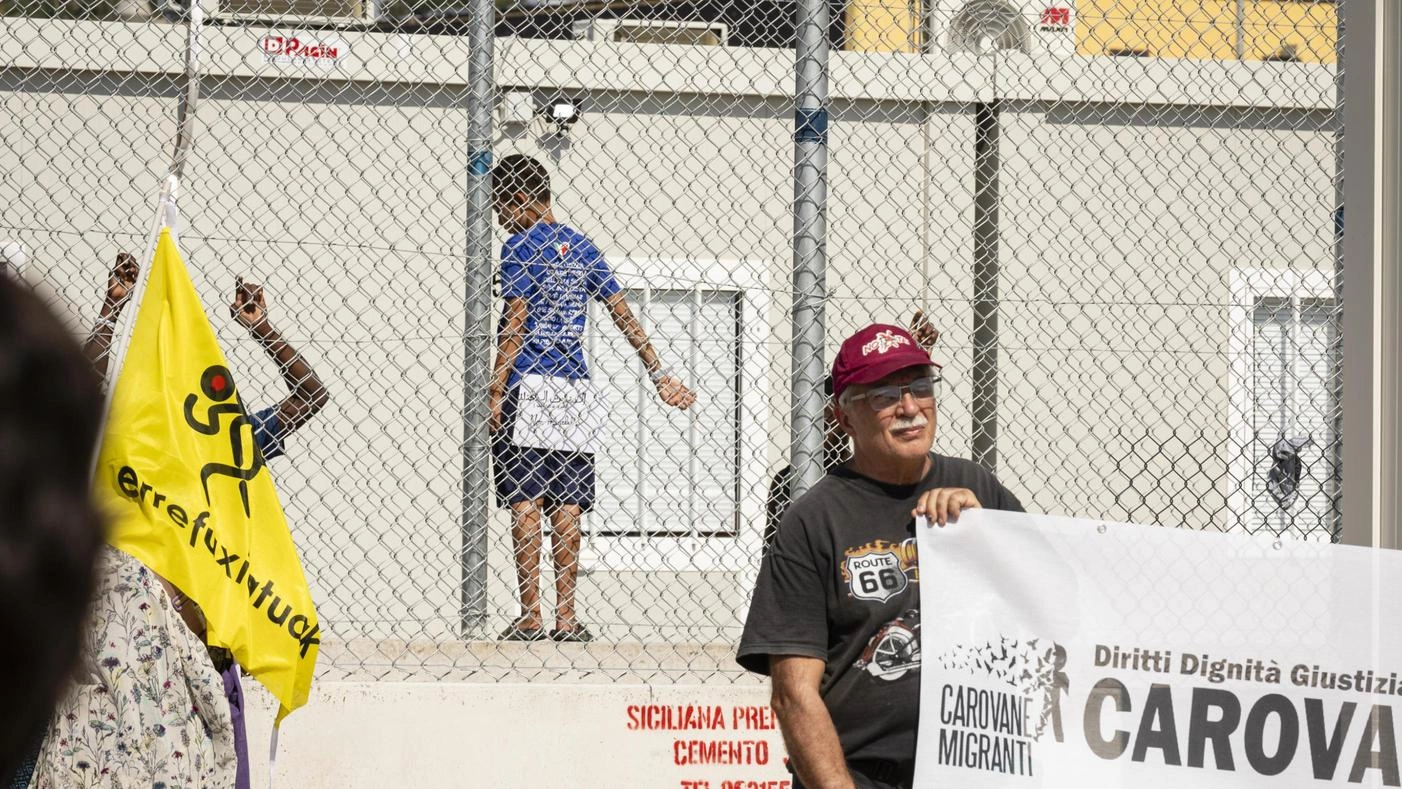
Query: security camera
[562, 111]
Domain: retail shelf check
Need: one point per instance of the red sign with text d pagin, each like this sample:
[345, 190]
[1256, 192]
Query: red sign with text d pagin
[301, 48]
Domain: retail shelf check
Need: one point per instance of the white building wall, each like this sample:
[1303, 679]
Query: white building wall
[342, 191]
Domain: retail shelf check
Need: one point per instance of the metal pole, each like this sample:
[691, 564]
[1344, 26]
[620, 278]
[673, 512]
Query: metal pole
[166, 216]
[985, 362]
[927, 26]
[477, 328]
[1372, 334]
[809, 241]
[1241, 29]
[1336, 342]
[1387, 284]
[166, 211]
[927, 111]
[185, 116]
[927, 116]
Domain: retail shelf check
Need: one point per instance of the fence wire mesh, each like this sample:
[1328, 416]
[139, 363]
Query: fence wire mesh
[1120, 217]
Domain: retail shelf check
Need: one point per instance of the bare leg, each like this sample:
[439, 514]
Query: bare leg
[565, 551]
[525, 538]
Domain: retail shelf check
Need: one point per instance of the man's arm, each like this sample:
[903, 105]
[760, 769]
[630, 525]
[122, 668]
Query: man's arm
[306, 395]
[809, 734]
[672, 391]
[512, 337]
[120, 283]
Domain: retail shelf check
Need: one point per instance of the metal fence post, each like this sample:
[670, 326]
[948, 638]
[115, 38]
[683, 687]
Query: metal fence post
[190, 95]
[809, 241]
[477, 328]
[1240, 30]
[1372, 335]
[1336, 345]
[984, 397]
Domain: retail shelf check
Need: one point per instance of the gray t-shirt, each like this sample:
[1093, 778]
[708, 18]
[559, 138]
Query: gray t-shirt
[842, 585]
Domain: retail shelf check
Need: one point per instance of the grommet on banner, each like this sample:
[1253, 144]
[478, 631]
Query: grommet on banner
[1102, 528]
[1278, 544]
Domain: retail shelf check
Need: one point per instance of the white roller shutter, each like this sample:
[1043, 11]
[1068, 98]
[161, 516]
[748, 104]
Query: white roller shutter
[1290, 396]
[665, 472]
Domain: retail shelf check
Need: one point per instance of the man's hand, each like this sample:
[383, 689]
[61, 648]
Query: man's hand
[121, 281]
[943, 505]
[249, 307]
[674, 393]
[924, 333]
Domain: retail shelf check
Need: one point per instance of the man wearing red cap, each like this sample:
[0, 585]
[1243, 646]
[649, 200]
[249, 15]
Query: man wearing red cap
[835, 618]
[835, 451]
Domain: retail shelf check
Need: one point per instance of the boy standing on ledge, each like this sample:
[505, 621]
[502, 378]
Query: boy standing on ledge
[549, 271]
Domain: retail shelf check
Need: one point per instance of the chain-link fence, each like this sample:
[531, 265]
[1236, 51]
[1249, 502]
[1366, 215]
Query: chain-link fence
[1121, 217]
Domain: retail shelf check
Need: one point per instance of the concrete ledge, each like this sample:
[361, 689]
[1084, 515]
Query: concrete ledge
[629, 736]
[529, 662]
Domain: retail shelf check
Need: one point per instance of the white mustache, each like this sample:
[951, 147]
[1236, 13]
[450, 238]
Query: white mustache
[906, 423]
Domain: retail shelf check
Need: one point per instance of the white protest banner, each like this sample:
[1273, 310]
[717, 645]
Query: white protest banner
[566, 414]
[1070, 653]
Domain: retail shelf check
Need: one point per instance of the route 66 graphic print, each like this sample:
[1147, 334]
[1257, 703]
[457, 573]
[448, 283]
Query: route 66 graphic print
[880, 570]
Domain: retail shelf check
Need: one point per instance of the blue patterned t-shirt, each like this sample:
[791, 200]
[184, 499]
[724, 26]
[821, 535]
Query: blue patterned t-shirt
[556, 269]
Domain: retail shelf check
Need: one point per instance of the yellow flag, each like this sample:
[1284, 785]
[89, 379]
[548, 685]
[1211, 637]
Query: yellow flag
[189, 493]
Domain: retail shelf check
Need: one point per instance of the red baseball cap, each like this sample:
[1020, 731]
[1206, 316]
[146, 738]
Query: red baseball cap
[874, 353]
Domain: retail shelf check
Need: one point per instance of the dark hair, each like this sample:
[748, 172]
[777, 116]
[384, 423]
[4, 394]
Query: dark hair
[520, 173]
[50, 530]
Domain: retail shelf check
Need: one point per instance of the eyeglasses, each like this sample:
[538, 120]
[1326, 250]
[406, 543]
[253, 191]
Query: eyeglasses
[884, 397]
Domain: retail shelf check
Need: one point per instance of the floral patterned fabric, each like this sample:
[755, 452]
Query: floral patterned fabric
[148, 707]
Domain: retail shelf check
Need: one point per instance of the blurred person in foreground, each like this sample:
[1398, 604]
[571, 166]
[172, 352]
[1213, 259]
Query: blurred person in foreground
[155, 705]
[841, 640]
[836, 449]
[50, 530]
[549, 273]
[12, 258]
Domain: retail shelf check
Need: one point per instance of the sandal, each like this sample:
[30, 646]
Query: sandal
[579, 634]
[514, 632]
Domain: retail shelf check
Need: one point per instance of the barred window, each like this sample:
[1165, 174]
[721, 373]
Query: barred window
[683, 490]
[1284, 400]
[664, 472]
